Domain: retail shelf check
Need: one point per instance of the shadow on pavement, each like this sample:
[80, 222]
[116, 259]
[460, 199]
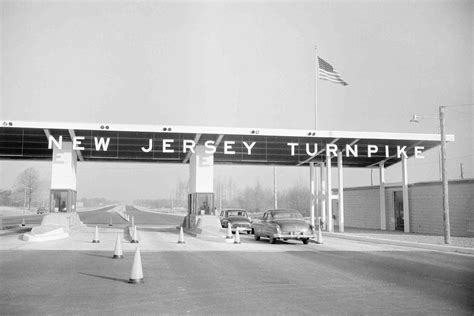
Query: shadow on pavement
[105, 277]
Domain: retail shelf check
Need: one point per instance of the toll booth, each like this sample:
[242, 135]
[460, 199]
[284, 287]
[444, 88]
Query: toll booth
[62, 200]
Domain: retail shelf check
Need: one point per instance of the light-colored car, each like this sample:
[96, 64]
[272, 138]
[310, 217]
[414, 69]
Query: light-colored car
[283, 224]
[237, 218]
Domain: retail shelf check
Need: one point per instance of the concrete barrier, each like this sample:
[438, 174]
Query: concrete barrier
[54, 226]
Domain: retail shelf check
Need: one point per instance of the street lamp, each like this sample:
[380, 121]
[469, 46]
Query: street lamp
[444, 172]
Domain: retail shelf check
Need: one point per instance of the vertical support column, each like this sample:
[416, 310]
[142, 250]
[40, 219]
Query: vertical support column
[317, 180]
[275, 192]
[340, 191]
[330, 227]
[406, 209]
[323, 195]
[383, 221]
[63, 178]
[313, 191]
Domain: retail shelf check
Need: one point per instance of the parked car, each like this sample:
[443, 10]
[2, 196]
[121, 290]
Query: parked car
[237, 218]
[41, 210]
[283, 224]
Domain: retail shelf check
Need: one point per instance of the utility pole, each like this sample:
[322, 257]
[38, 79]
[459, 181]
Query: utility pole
[444, 177]
[462, 173]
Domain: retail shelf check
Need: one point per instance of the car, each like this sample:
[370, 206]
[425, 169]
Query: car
[41, 210]
[237, 218]
[283, 224]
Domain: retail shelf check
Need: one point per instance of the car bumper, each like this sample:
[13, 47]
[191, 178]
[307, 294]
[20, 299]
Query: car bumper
[242, 229]
[294, 236]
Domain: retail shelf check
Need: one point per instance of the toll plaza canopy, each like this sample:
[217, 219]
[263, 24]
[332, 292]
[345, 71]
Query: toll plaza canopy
[171, 144]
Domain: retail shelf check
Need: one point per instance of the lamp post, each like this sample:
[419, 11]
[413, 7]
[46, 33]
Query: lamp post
[444, 172]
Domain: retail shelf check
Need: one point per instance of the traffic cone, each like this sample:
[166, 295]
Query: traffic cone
[23, 222]
[229, 231]
[237, 236]
[110, 222]
[137, 272]
[181, 236]
[135, 235]
[118, 253]
[96, 235]
[320, 235]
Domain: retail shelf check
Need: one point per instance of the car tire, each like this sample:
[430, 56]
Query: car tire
[305, 241]
[256, 237]
[272, 240]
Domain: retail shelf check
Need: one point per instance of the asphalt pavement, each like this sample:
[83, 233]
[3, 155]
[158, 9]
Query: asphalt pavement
[203, 277]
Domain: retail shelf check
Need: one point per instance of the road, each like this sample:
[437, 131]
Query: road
[339, 277]
[209, 283]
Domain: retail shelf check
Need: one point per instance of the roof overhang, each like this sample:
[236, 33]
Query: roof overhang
[128, 142]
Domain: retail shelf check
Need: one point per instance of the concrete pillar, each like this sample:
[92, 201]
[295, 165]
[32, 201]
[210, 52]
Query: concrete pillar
[406, 209]
[63, 170]
[383, 221]
[317, 180]
[201, 171]
[323, 195]
[330, 227]
[63, 179]
[313, 190]
[340, 192]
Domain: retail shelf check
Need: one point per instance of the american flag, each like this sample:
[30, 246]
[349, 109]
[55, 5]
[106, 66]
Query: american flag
[327, 72]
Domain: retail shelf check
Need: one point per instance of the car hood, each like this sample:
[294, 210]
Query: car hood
[292, 224]
[240, 219]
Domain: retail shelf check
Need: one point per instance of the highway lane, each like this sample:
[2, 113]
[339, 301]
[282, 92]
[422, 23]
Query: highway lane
[30, 220]
[148, 218]
[309, 279]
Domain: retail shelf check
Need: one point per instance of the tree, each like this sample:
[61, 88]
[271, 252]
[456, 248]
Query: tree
[28, 181]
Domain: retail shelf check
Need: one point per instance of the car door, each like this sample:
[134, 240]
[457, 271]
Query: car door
[269, 226]
[258, 225]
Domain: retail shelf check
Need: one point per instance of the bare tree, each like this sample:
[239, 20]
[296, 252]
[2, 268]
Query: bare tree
[28, 181]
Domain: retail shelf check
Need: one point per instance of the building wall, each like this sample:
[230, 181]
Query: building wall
[426, 207]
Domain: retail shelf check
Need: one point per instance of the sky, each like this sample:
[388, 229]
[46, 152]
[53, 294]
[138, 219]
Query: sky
[238, 64]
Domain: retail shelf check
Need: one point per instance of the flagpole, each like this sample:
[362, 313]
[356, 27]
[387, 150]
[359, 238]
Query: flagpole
[316, 90]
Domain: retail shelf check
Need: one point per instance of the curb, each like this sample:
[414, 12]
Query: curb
[442, 248]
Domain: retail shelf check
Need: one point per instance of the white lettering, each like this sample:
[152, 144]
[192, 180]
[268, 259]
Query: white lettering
[101, 143]
[293, 145]
[401, 151]
[331, 150]
[189, 144]
[76, 142]
[419, 151]
[372, 149]
[249, 147]
[166, 145]
[228, 147]
[150, 146]
[51, 140]
[315, 150]
[210, 144]
[354, 151]
[386, 151]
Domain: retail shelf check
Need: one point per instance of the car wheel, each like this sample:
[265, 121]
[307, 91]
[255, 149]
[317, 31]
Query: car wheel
[256, 237]
[272, 240]
[305, 241]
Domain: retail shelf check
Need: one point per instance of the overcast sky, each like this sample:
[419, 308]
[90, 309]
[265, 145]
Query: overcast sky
[239, 64]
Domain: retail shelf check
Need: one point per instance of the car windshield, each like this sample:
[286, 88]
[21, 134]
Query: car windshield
[236, 213]
[283, 215]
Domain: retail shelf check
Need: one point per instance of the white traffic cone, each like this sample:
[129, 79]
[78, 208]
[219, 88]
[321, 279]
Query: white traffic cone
[110, 222]
[181, 236]
[229, 231]
[135, 235]
[237, 236]
[118, 253]
[96, 235]
[23, 222]
[137, 271]
[320, 236]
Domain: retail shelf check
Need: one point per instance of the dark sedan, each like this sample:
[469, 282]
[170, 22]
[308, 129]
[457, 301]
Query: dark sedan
[237, 219]
[283, 224]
